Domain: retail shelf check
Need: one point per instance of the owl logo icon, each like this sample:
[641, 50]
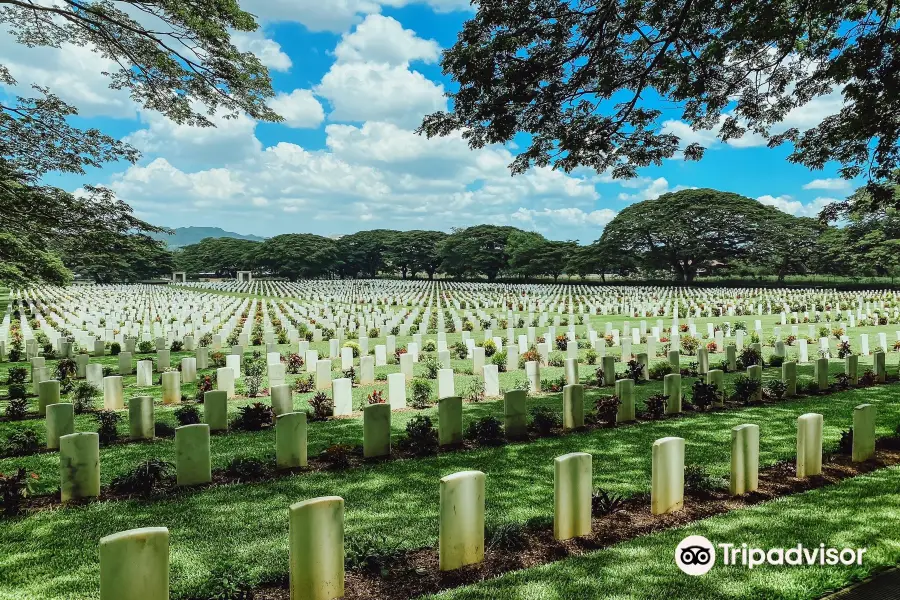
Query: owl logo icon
[695, 555]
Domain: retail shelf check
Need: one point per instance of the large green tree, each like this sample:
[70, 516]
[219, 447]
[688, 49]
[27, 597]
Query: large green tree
[477, 250]
[223, 257]
[585, 80]
[691, 230]
[364, 253]
[415, 251]
[297, 256]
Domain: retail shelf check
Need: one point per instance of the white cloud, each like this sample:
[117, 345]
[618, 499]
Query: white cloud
[381, 39]
[565, 216]
[379, 92]
[300, 109]
[652, 190]
[786, 203]
[316, 15]
[831, 183]
[267, 50]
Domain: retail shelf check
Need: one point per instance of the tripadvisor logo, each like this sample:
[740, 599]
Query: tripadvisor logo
[696, 555]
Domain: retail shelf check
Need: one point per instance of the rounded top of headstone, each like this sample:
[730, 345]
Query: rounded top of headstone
[133, 534]
[745, 426]
[668, 440]
[191, 427]
[475, 475]
[321, 501]
[571, 456]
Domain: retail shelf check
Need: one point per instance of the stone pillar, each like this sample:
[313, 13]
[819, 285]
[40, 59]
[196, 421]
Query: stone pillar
[609, 370]
[396, 390]
[572, 491]
[754, 373]
[225, 381]
[571, 371]
[533, 373]
[188, 369]
[282, 401]
[81, 363]
[163, 360]
[36, 363]
[672, 390]
[233, 362]
[290, 440]
[446, 386]
[515, 414]
[716, 377]
[192, 455]
[113, 393]
[366, 370]
[376, 430]
[702, 360]
[171, 387]
[809, 445]
[461, 531]
[323, 374]
[863, 433]
[491, 381]
[667, 477]
[48, 393]
[202, 355]
[215, 410]
[573, 407]
[851, 368]
[821, 373]
[99, 348]
[625, 392]
[643, 359]
[60, 422]
[450, 421]
[79, 466]
[731, 357]
[145, 373]
[789, 376]
[125, 364]
[316, 543]
[342, 394]
[141, 424]
[744, 459]
[134, 565]
[675, 361]
[879, 359]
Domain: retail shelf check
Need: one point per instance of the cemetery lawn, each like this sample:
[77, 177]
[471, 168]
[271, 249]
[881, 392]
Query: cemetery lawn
[863, 512]
[55, 554]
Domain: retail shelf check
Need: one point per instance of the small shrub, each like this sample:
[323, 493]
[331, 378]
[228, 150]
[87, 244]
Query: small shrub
[530, 355]
[844, 349]
[603, 503]
[748, 357]
[107, 371]
[148, 477]
[304, 384]
[204, 384]
[255, 417]
[507, 537]
[460, 350]
[354, 347]
[591, 357]
[776, 361]
[294, 363]
[431, 365]
[16, 408]
[187, 414]
[486, 431]
[561, 342]
[20, 443]
[146, 347]
[177, 346]
[655, 406]
[115, 348]
[704, 395]
[228, 581]
[217, 359]
[845, 444]
[16, 375]
[745, 389]
[370, 553]
[421, 393]
[163, 429]
[607, 407]
[421, 436]
[337, 456]
[499, 359]
[867, 379]
[776, 389]
[242, 468]
[14, 489]
[106, 426]
[689, 345]
[475, 392]
[842, 381]
[322, 407]
[698, 481]
[660, 369]
[544, 419]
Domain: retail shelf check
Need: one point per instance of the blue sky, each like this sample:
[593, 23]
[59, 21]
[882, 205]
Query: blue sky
[354, 78]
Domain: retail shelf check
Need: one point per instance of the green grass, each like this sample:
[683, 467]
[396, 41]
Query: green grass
[863, 512]
[53, 554]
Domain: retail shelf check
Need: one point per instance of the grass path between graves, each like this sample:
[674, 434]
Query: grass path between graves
[861, 512]
[121, 458]
[52, 555]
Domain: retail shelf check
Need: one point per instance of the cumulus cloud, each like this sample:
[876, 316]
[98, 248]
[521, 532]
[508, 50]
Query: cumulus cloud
[652, 189]
[267, 50]
[300, 109]
[380, 39]
[788, 204]
[831, 183]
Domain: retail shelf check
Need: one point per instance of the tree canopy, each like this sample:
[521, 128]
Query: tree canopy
[585, 81]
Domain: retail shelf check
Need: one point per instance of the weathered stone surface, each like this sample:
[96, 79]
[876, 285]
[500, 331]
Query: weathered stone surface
[879, 359]
[515, 411]
[702, 361]
[141, 423]
[323, 374]
[113, 393]
[809, 445]
[225, 381]
[188, 369]
[667, 477]
[851, 368]
[192, 455]
[60, 422]
[145, 373]
[396, 390]
[672, 390]
[290, 440]
[789, 376]
[863, 433]
[446, 385]
[215, 410]
[731, 357]
[342, 393]
[163, 360]
[571, 371]
[716, 377]
[171, 387]
[625, 392]
[79, 466]
[573, 406]
[609, 370]
[376, 430]
[744, 459]
[450, 421]
[821, 373]
[48, 393]
[675, 360]
[533, 373]
[572, 490]
[134, 565]
[316, 543]
[125, 363]
[461, 531]
[491, 380]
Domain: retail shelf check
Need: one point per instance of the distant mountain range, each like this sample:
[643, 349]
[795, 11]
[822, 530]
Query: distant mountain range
[185, 236]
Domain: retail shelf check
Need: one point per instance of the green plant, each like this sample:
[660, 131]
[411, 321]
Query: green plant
[660, 369]
[421, 436]
[603, 503]
[776, 389]
[844, 349]
[242, 468]
[776, 361]
[634, 371]
[544, 419]
[704, 395]
[698, 481]
[304, 384]
[322, 407]
[144, 479]
[748, 357]
[204, 384]
[145, 347]
[460, 350]
[177, 346]
[867, 379]
[845, 444]
[228, 581]
[807, 385]
[187, 414]
[16, 375]
[337, 456]
[606, 408]
[591, 356]
[106, 426]
[16, 408]
[22, 442]
[689, 345]
[499, 359]
[431, 365]
[745, 389]
[421, 393]
[370, 553]
[163, 429]
[294, 363]
[507, 537]
[486, 431]
[655, 406]
[475, 391]
[115, 348]
[14, 489]
[354, 347]
[255, 417]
